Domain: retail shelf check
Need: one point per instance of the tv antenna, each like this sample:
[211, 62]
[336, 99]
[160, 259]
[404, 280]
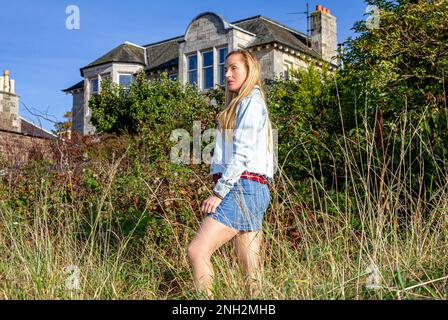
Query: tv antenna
[308, 27]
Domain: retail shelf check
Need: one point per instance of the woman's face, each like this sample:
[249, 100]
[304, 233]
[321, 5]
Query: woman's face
[236, 72]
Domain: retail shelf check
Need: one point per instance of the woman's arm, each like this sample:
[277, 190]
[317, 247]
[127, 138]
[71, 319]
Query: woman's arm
[248, 122]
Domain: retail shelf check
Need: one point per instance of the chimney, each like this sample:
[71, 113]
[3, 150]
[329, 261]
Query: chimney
[6, 81]
[9, 105]
[6, 84]
[324, 37]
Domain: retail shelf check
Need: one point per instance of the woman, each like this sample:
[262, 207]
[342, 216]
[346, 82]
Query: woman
[241, 167]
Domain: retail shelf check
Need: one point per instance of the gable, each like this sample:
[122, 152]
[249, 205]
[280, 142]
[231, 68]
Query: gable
[204, 26]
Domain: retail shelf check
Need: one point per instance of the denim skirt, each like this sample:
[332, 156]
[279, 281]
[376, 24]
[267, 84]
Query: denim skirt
[244, 207]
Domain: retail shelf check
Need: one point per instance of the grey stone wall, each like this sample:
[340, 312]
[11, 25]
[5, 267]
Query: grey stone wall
[206, 32]
[241, 40]
[324, 35]
[78, 111]
[266, 59]
[172, 71]
[9, 112]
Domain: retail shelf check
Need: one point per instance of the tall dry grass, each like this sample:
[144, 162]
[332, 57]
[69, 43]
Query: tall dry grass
[326, 245]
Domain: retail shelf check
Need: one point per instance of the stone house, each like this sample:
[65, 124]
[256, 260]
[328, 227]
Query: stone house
[10, 119]
[198, 55]
[20, 139]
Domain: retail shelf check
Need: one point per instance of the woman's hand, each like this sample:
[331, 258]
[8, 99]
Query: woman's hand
[210, 205]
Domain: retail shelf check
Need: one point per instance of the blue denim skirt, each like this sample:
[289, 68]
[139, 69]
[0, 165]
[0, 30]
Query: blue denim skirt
[244, 207]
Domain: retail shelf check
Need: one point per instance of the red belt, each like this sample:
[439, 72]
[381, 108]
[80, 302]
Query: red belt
[245, 175]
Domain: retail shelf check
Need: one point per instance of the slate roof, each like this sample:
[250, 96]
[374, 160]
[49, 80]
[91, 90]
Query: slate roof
[269, 31]
[126, 52]
[166, 53]
[163, 54]
[31, 129]
[79, 85]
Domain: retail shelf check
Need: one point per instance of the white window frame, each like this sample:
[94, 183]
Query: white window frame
[192, 70]
[125, 74]
[221, 66]
[204, 69]
[287, 65]
[97, 86]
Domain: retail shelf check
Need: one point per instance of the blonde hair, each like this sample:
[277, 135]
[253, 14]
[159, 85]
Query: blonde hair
[227, 117]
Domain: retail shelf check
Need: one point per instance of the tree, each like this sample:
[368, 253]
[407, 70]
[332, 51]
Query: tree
[149, 104]
[395, 78]
[63, 126]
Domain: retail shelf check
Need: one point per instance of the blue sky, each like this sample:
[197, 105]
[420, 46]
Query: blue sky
[44, 57]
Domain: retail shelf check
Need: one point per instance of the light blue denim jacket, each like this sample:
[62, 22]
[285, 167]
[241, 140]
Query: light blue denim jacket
[248, 150]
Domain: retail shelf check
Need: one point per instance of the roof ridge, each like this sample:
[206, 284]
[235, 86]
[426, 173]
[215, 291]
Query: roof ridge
[246, 19]
[162, 41]
[133, 44]
[37, 126]
[284, 26]
[110, 56]
[233, 23]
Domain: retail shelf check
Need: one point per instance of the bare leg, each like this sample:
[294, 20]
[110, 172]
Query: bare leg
[210, 237]
[248, 249]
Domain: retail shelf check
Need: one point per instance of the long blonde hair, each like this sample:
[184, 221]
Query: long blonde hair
[227, 117]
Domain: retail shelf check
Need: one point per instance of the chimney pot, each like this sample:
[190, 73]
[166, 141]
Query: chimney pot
[319, 7]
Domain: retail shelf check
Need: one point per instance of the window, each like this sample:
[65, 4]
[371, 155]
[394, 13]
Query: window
[207, 70]
[94, 86]
[125, 80]
[173, 77]
[287, 67]
[222, 52]
[193, 69]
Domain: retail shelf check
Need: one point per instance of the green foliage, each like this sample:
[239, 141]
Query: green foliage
[151, 104]
[301, 108]
[91, 181]
[400, 69]
[151, 110]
